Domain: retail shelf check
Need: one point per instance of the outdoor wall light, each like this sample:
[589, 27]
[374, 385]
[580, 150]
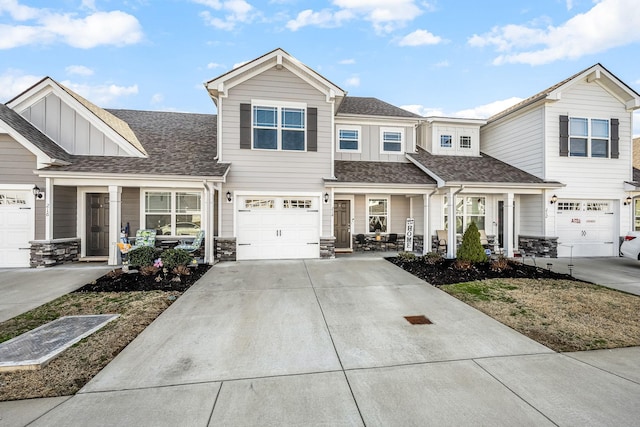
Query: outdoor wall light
[36, 192]
[228, 196]
[326, 197]
[628, 201]
[554, 199]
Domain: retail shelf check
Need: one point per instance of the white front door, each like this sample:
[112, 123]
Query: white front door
[276, 227]
[586, 228]
[16, 227]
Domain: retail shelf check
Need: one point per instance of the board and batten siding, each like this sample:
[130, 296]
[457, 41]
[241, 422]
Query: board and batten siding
[370, 143]
[65, 213]
[69, 129]
[16, 167]
[275, 171]
[517, 140]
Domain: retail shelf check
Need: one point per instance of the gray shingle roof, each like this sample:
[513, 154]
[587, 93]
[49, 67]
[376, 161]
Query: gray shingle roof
[473, 169]
[32, 134]
[380, 173]
[176, 144]
[372, 107]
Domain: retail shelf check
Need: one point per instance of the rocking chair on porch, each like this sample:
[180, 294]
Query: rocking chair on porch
[193, 246]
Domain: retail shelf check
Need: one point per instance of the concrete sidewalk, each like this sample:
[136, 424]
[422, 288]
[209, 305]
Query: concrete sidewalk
[320, 342]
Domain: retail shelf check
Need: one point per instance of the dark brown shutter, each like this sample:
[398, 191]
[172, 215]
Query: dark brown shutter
[564, 136]
[312, 129]
[615, 139]
[245, 126]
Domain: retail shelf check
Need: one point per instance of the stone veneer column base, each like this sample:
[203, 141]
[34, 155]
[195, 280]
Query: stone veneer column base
[540, 246]
[327, 247]
[225, 248]
[47, 253]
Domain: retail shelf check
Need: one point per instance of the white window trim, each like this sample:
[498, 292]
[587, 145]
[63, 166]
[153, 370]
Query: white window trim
[173, 213]
[280, 105]
[402, 140]
[368, 197]
[590, 137]
[348, 127]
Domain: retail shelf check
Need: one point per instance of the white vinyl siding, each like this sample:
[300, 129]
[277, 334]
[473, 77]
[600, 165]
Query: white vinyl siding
[532, 214]
[272, 170]
[518, 140]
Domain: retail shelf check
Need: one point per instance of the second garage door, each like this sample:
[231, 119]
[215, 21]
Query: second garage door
[586, 228]
[16, 228]
[278, 227]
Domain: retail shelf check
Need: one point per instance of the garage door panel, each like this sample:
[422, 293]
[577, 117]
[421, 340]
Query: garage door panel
[586, 228]
[16, 228]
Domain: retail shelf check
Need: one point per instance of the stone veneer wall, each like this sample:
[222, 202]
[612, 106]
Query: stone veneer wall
[540, 246]
[225, 249]
[327, 247]
[47, 253]
[373, 245]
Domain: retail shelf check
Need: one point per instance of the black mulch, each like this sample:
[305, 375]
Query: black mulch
[120, 281]
[444, 271]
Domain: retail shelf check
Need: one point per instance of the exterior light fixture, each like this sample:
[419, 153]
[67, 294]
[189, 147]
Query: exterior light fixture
[326, 197]
[228, 196]
[36, 192]
[554, 199]
[628, 200]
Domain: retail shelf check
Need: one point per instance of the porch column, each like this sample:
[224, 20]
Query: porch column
[451, 229]
[426, 239]
[207, 223]
[507, 236]
[48, 209]
[115, 219]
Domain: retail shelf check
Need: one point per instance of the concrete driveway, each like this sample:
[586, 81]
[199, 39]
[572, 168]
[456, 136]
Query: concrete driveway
[325, 342]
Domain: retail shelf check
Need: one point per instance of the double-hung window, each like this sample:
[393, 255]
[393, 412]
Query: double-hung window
[391, 140]
[279, 127]
[349, 139]
[173, 213]
[588, 137]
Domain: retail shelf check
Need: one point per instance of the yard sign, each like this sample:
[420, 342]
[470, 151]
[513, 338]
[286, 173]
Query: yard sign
[408, 235]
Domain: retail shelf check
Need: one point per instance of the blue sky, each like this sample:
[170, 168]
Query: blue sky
[455, 58]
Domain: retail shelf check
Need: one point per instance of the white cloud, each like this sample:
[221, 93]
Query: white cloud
[569, 4]
[353, 81]
[14, 82]
[213, 65]
[609, 24]
[384, 15]
[239, 64]
[157, 99]
[419, 38]
[104, 95]
[43, 26]
[79, 70]
[234, 12]
[349, 61]
[481, 112]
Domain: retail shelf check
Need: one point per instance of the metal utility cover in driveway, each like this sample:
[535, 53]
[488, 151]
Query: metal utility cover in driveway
[36, 348]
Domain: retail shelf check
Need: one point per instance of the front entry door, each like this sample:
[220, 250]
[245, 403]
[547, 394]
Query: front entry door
[97, 224]
[342, 223]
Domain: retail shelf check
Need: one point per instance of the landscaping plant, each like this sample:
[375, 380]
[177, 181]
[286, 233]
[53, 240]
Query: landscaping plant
[141, 257]
[471, 250]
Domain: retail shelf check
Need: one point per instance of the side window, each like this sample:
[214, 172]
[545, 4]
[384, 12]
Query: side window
[446, 141]
[348, 139]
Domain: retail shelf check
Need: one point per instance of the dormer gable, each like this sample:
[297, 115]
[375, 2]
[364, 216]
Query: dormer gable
[449, 136]
[75, 124]
[278, 59]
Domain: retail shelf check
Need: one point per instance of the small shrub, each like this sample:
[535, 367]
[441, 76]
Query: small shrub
[499, 264]
[432, 258]
[142, 256]
[462, 264]
[407, 256]
[149, 270]
[471, 250]
[181, 270]
[172, 258]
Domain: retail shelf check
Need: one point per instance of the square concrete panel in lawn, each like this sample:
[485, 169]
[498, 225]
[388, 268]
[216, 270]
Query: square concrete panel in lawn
[369, 328]
[214, 336]
[255, 275]
[300, 400]
[358, 272]
[438, 394]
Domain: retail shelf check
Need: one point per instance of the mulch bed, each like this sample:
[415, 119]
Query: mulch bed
[118, 280]
[444, 272]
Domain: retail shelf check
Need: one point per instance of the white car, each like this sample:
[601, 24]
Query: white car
[630, 247]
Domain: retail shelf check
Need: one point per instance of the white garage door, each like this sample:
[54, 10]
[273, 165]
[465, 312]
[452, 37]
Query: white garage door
[586, 228]
[16, 228]
[278, 227]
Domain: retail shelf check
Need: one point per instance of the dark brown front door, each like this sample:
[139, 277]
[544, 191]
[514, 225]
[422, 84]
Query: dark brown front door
[342, 223]
[97, 224]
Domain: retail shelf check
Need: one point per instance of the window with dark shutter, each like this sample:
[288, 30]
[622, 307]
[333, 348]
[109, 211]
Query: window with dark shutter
[564, 136]
[615, 139]
[245, 126]
[312, 129]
